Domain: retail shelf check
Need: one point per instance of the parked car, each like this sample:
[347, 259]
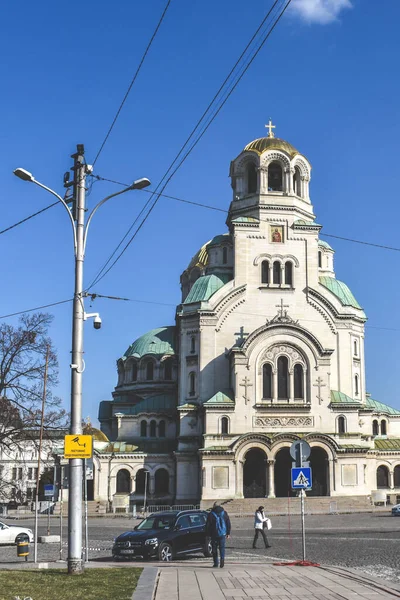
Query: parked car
[164, 536]
[10, 534]
[396, 510]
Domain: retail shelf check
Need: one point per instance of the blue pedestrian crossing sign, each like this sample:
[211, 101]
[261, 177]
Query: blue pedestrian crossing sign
[301, 478]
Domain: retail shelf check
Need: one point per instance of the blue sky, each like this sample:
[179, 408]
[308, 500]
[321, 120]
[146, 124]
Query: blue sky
[328, 77]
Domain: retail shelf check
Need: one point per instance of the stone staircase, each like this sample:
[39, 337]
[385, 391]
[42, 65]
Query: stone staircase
[95, 508]
[284, 506]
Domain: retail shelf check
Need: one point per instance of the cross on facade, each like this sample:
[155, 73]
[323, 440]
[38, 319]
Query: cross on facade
[246, 384]
[281, 306]
[319, 385]
[241, 333]
[270, 127]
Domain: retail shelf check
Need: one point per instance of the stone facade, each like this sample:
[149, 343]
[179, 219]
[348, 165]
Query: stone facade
[268, 348]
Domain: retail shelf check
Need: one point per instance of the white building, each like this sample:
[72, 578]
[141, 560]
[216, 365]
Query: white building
[268, 347]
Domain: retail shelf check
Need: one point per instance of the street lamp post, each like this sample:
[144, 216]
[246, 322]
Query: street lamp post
[146, 473]
[80, 230]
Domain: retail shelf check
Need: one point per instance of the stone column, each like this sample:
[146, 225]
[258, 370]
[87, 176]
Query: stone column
[152, 485]
[291, 385]
[391, 480]
[239, 478]
[271, 480]
[271, 273]
[275, 385]
[282, 274]
[291, 188]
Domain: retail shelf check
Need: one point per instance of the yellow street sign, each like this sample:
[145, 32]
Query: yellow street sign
[78, 446]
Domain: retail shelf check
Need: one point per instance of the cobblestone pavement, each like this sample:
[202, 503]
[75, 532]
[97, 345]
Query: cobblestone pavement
[368, 542]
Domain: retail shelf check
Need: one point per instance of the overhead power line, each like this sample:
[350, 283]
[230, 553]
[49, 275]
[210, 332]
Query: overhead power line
[21, 312]
[133, 81]
[227, 88]
[216, 208]
[30, 217]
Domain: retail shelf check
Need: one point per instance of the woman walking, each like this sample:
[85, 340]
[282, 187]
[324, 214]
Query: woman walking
[259, 521]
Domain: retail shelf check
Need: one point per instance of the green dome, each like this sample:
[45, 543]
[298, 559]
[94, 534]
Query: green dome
[157, 341]
[271, 143]
[340, 290]
[204, 287]
[324, 244]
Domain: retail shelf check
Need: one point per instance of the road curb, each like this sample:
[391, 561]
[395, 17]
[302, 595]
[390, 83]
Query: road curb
[147, 584]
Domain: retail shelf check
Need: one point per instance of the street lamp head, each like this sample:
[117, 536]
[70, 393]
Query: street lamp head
[139, 184]
[24, 175]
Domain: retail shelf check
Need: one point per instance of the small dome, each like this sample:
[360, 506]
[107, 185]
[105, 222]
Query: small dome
[157, 341]
[98, 436]
[201, 257]
[271, 143]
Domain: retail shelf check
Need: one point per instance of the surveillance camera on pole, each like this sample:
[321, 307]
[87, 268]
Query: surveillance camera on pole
[96, 319]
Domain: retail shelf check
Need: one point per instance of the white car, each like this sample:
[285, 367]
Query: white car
[9, 534]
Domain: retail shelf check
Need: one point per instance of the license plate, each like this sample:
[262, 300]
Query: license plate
[127, 552]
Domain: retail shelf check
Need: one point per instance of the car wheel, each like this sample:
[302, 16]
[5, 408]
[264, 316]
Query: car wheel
[165, 553]
[207, 549]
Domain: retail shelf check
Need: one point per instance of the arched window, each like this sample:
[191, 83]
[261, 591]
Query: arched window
[267, 381]
[153, 428]
[123, 482]
[356, 386]
[161, 481]
[161, 429]
[341, 422]
[382, 477]
[192, 345]
[251, 178]
[297, 181]
[150, 370]
[283, 378]
[375, 427]
[355, 348]
[289, 273]
[168, 370]
[143, 428]
[275, 177]
[134, 371]
[276, 270]
[192, 384]
[224, 425]
[383, 427]
[265, 271]
[396, 476]
[298, 382]
[224, 255]
[141, 478]
[320, 259]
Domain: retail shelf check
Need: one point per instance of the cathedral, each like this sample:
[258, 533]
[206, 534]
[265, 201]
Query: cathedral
[267, 348]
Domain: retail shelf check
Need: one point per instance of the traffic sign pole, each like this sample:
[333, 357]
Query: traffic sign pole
[303, 529]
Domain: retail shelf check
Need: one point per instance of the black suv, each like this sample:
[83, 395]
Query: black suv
[165, 535]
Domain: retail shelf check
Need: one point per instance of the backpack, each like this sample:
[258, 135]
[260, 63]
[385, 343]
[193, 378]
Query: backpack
[220, 525]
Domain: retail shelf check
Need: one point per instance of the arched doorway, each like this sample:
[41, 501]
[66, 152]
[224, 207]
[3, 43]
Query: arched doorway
[254, 474]
[123, 482]
[282, 474]
[382, 477]
[319, 464]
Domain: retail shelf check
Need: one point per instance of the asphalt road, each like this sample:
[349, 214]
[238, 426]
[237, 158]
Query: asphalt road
[370, 542]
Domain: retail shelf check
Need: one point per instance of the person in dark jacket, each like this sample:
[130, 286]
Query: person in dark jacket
[218, 528]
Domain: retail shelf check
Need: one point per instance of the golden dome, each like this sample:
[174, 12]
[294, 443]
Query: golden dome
[98, 436]
[271, 143]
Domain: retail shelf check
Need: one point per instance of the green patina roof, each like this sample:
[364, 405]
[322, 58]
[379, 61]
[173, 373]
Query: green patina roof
[224, 397]
[245, 220]
[201, 257]
[340, 290]
[325, 245]
[380, 407]
[145, 446]
[387, 444]
[304, 223]
[341, 398]
[161, 403]
[157, 341]
[204, 287]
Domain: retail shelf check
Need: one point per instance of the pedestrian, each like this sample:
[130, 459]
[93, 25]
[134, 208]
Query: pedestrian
[218, 528]
[260, 521]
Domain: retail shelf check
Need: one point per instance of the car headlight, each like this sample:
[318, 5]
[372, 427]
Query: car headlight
[151, 542]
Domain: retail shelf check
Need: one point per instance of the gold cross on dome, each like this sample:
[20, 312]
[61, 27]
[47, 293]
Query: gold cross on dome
[270, 127]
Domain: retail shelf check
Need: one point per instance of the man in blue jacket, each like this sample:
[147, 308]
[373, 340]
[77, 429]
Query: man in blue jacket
[218, 528]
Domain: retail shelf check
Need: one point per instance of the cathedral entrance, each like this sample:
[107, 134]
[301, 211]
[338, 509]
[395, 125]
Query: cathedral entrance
[282, 474]
[255, 474]
[319, 464]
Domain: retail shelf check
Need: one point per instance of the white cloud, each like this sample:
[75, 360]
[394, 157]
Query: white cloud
[319, 11]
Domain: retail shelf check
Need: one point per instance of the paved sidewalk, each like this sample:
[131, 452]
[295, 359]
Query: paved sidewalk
[268, 582]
